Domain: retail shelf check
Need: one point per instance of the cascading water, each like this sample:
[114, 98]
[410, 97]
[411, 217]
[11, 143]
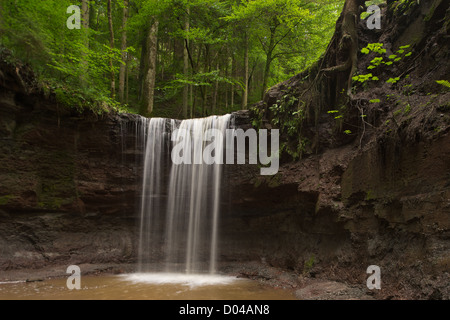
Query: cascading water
[151, 206]
[180, 207]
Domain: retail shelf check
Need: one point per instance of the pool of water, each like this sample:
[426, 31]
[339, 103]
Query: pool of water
[145, 287]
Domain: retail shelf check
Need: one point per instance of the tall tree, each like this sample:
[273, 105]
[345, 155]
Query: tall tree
[280, 27]
[211, 54]
[245, 77]
[186, 64]
[85, 26]
[111, 45]
[123, 47]
[150, 74]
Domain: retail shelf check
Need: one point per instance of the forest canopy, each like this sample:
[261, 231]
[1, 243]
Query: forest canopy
[171, 58]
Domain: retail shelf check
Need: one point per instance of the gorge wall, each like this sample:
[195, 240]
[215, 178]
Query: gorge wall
[67, 181]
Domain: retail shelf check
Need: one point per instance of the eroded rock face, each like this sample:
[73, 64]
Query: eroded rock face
[69, 183]
[332, 215]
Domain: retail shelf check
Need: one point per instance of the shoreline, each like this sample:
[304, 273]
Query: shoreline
[301, 287]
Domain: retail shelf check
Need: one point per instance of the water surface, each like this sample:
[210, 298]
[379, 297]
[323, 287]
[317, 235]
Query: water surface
[145, 287]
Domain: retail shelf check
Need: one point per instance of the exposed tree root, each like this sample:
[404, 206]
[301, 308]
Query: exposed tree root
[348, 43]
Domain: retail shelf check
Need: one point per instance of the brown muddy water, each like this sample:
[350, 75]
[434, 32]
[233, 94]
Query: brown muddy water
[144, 287]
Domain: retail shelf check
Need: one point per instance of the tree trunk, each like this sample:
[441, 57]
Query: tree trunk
[348, 42]
[226, 87]
[191, 93]
[204, 102]
[269, 59]
[85, 26]
[194, 102]
[206, 68]
[245, 91]
[232, 85]
[143, 63]
[150, 75]
[127, 88]
[111, 44]
[123, 47]
[216, 91]
[186, 67]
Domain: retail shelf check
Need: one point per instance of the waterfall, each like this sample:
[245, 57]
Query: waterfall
[180, 203]
[151, 206]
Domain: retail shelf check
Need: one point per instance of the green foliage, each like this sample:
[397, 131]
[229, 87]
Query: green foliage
[309, 264]
[378, 61]
[445, 83]
[288, 35]
[365, 77]
[339, 118]
[378, 49]
[375, 63]
[6, 199]
[393, 80]
[77, 62]
[36, 32]
[285, 116]
[407, 109]
[374, 47]
[288, 115]
[83, 99]
[257, 115]
[337, 115]
[375, 101]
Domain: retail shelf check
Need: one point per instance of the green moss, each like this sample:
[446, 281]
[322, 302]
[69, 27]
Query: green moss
[430, 14]
[258, 182]
[407, 109]
[444, 107]
[275, 181]
[4, 200]
[309, 264]
[56, 186]
[369, 195]
[54, 203]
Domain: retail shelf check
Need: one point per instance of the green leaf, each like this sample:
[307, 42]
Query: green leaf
[393, 80]
[375, 101]
[365, 51]
[445, 83]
